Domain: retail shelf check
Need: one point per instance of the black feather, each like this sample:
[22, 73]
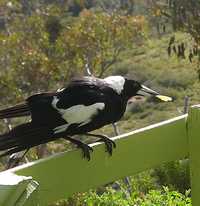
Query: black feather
[15, 111]
[23, 137]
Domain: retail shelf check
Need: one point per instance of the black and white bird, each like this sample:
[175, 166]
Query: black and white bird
[86, 104]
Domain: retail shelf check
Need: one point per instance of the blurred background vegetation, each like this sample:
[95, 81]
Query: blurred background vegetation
[44, 43]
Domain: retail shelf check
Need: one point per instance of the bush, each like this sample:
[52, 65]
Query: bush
[119, 198]
[164, 197]
[175, 175]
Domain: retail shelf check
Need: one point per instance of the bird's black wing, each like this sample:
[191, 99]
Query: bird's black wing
[19, 110]
[56, 108]
[42, 112]
[87, 105]
[24, 108]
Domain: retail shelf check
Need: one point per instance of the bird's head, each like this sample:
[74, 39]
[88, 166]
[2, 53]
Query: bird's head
[129, 88]
[134, 88]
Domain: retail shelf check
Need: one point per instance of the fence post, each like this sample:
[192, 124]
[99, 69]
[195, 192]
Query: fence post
[194, 152]
[17, 190]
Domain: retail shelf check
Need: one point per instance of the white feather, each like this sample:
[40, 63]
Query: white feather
[116, 83]
[77, 114]
[60, 90]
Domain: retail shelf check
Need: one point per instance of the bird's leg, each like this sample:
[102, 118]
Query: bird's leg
[15, 159]
[85, 148]
[110, 144]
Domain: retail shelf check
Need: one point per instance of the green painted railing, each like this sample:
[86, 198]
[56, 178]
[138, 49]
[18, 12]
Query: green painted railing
[59, 176]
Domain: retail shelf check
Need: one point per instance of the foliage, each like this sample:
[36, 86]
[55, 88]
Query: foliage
[75, 7]
[175, 175]
[125, 7]
[164, 197]
[118, 198]
[27, 60]
[184, 16]
[104, 35]
[48, 49]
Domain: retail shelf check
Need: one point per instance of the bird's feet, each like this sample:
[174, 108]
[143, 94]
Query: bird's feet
[15, 159]
[85, 148]
[110, 144]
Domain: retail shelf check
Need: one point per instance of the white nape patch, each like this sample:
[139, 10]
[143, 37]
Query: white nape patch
[116, 83]
[77, 114]
[60, 90]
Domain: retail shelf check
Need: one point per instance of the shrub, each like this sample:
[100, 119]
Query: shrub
[118, 198]
[175, 175]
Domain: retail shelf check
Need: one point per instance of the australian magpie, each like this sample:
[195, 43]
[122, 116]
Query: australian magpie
[86, 104]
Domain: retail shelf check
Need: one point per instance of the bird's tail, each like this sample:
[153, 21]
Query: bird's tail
[24, 137]
[15, 111]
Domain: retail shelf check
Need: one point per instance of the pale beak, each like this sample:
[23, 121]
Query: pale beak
[145, 91]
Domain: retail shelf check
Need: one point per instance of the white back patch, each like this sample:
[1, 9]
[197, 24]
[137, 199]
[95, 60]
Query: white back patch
[116, 83]
[77, 114]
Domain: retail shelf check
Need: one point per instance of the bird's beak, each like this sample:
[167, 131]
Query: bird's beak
[144, 91]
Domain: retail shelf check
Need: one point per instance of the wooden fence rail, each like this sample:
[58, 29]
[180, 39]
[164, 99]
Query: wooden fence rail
[47, 180]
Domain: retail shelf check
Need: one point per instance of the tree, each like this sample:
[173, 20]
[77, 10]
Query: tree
[184, 16]
[97, 39]
[39, 50]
